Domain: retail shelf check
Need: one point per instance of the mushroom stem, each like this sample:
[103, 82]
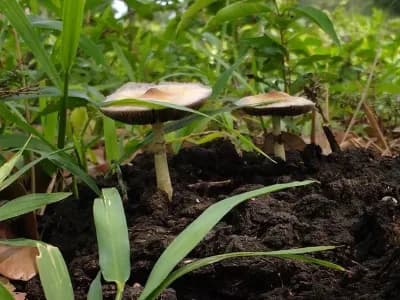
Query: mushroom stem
[160, 160]
[279, 148]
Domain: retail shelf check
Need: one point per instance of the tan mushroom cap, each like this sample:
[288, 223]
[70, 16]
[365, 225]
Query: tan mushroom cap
[275, 104]
[191, 95]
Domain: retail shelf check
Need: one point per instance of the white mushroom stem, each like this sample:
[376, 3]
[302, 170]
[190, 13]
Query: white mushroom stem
[160, 160]
[279, 148]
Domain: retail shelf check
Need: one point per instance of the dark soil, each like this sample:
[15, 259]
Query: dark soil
[354, 207]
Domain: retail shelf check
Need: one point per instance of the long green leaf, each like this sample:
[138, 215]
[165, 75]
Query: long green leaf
[5, 294]
[73, 11]
[28, 203]
[95, 290]
[295, 254]
[15, 14]
[196, 231]
[320, 18]
[57, 157]
[112, 236]
[53, 271]
[6, 169]
[236, 11]
[155, 104]
[223, 79]
[191, 12]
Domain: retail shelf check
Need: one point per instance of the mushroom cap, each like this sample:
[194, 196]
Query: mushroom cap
[190, 95]
[276, 104]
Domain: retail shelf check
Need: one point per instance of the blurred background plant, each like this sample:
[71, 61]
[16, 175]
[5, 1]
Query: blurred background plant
[269, 45]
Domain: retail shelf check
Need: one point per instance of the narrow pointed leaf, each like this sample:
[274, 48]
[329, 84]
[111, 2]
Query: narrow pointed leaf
[195, 232]
[294, 254]
[73, 11]
[6, 169]
[28, 203]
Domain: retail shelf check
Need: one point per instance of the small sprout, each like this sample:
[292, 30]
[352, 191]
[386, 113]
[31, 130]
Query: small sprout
[277, 105]
[190, 95]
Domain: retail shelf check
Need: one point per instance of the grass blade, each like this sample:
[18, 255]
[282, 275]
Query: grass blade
[73, 11]
[191, 12]
[196, 231]
[17, 18]
[294, 254]
[6, 169]
[28, 203]
[110, 222]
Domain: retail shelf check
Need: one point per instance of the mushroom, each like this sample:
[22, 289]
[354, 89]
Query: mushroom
[276, 104]
[190, 95]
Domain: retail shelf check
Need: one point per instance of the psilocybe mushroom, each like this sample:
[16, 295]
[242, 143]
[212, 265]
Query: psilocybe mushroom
[189, 95]
[278, 105]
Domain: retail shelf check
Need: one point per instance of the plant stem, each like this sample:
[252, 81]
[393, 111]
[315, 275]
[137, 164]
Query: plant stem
[160, 160]
[120, 291]
[279, 148]
[62, 114]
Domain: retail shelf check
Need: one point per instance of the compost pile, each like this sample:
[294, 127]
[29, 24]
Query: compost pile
[353, 207]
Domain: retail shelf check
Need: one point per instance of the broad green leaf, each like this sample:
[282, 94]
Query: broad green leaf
[112, 236]
[95, 290]
[73, 11]
[320, 18]
[294, 254]
[5, 294]
[191, 12]
[28, 203]
[18, 19]
[6, 169]
[195, 232]
[236, 11]
[53, 273]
